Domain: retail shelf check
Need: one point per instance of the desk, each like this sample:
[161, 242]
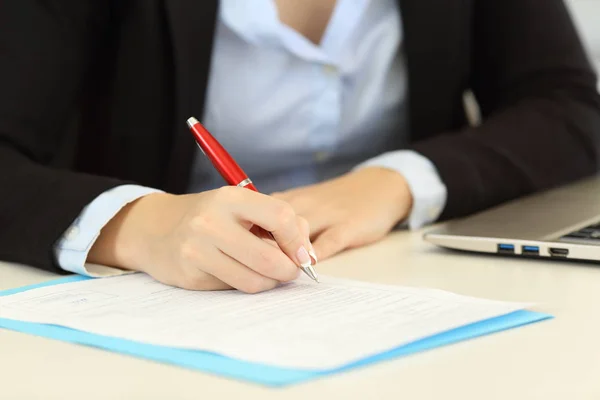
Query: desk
[555, 359]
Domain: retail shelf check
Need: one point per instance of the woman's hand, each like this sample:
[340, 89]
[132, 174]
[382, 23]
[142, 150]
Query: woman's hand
[353, 210]
[205, 241]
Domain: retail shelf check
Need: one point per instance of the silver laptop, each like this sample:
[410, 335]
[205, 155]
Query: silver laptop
[559, 223]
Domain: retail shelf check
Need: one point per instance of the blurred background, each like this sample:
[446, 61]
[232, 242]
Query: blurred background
[587, 17]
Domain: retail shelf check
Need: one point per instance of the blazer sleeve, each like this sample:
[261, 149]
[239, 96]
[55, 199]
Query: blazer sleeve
[45, 51]
[539, 104]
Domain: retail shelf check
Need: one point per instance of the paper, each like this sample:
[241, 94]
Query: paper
[302, 325]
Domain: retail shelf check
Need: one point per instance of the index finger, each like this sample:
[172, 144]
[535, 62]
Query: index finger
[279, 218]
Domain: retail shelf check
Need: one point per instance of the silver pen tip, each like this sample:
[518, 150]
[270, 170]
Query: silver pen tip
[192, 121]
[310, 271]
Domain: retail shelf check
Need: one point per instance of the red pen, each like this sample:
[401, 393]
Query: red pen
[228, 168]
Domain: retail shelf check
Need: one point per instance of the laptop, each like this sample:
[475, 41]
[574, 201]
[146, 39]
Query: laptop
[561, 223]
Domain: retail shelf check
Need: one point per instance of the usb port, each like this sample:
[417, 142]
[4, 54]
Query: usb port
[530, 250]
[558, 252]
[506, 248]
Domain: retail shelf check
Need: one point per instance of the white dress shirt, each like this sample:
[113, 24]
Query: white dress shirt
[294, 113]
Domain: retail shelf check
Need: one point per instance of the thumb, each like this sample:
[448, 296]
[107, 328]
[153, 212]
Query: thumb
[332, 241]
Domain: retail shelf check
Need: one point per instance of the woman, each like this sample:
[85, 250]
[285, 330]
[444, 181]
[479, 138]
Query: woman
[350, 113]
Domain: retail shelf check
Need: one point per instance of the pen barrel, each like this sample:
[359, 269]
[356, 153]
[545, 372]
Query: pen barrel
[219, 157]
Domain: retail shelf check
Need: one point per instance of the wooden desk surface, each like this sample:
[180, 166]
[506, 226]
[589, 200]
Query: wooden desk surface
[553, 359]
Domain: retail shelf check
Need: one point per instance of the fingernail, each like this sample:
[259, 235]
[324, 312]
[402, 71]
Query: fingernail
[303, 257]
[312, 253]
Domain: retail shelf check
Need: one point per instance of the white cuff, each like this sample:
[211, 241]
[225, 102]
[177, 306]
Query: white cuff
[72, 249]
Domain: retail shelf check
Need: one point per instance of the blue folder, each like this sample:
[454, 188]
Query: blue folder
[247, 371]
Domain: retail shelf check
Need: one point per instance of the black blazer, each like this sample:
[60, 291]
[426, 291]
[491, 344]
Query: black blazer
[96, 93]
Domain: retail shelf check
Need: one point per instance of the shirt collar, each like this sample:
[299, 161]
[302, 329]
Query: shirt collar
[257, 22]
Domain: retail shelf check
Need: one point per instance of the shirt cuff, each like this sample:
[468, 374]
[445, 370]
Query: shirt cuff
[71, 251]
[428, 191]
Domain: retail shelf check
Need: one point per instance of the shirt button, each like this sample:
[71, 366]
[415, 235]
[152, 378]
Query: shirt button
[321, 156]
[330, 69]
[72, 233]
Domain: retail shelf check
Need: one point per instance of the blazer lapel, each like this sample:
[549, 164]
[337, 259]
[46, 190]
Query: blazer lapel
[192, 25]
[437, 56]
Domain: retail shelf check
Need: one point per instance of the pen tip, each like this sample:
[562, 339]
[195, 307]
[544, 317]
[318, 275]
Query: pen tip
[310, 271]
[192, 121]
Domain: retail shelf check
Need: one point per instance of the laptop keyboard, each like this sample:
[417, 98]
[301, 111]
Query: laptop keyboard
[591, 232]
